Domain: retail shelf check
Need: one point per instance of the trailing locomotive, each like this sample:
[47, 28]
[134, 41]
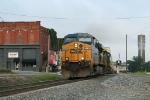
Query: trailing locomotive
[83, 55]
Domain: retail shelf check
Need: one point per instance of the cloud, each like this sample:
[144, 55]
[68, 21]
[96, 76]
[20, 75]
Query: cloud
[99, 18]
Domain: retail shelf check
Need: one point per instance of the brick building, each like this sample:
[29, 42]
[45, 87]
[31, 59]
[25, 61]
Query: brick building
[23, 45]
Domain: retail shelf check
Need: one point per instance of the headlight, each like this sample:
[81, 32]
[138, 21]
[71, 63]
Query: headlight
[64, 49]
[87, 48]
[82, 58]
[75, 45]
[67, 58]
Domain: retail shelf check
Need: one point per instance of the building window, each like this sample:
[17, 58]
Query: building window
[29, 64]
[31, 37]
[19, 39]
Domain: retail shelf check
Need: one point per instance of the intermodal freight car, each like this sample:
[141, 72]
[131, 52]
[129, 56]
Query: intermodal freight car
[83, 55]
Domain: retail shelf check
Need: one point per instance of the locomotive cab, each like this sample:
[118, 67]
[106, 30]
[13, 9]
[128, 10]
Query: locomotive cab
[80, 55]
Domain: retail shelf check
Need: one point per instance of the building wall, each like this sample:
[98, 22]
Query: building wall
[1, 57]
[44, 35]
[122, 67]
[26, 54]
[22, 33]
[28, 39]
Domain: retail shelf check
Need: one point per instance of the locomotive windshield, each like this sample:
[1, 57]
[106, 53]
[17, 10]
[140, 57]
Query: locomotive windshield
[68, 40]
[85, 39]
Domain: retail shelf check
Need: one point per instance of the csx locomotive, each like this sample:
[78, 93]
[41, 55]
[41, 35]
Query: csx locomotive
[83, 55]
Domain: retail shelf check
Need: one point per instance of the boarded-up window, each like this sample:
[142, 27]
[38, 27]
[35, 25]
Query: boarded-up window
[19, 39]
[7, 38]
[31, 37]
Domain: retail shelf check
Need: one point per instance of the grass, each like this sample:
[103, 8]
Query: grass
[18, 80]
[8, 73]
[141, 73]
[43, 77]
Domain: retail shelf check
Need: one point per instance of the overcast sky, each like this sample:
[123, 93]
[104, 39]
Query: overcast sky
[108, 20]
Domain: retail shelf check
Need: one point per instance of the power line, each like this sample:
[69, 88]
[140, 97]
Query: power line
[141, 30]
[133, 39]
[134, 17]
[82, 19]
[133, 34]
[2, 19]
[113, 39]
[137, 42]
[122, 18]
[31, 16]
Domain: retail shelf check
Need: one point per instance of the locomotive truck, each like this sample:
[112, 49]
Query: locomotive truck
[83, 55]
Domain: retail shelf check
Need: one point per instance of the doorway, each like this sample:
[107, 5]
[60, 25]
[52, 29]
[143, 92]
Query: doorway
[8, 65]
[16, 65]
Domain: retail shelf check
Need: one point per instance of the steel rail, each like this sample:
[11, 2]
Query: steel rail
[11, 90]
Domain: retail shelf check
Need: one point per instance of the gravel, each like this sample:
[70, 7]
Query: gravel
[120, 87]
[13, 79]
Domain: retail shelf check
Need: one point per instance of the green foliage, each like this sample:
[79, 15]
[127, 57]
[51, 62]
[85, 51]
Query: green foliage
[44, 77]
[138, 64]
[53, 39]
[140, 73]
[17, 80]
[60, 43]
[132, 66]
[147, 66]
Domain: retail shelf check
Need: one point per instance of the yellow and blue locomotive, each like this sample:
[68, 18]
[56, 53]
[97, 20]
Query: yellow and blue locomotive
[83, 55]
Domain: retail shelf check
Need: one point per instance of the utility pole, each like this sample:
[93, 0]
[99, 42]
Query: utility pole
[118, 64]
[47, 68]
[126, 53]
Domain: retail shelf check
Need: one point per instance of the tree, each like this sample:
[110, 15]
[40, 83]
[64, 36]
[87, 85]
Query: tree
[137, 64]
[147, 66]
[60, 43]
[53, 38]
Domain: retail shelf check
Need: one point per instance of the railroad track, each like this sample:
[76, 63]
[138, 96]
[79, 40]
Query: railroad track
[11, 90]
[145, 79]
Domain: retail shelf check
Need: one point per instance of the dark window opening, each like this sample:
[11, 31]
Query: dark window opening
[29, 62]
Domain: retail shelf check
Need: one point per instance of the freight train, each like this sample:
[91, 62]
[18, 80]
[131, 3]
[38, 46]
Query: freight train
[83, 55]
